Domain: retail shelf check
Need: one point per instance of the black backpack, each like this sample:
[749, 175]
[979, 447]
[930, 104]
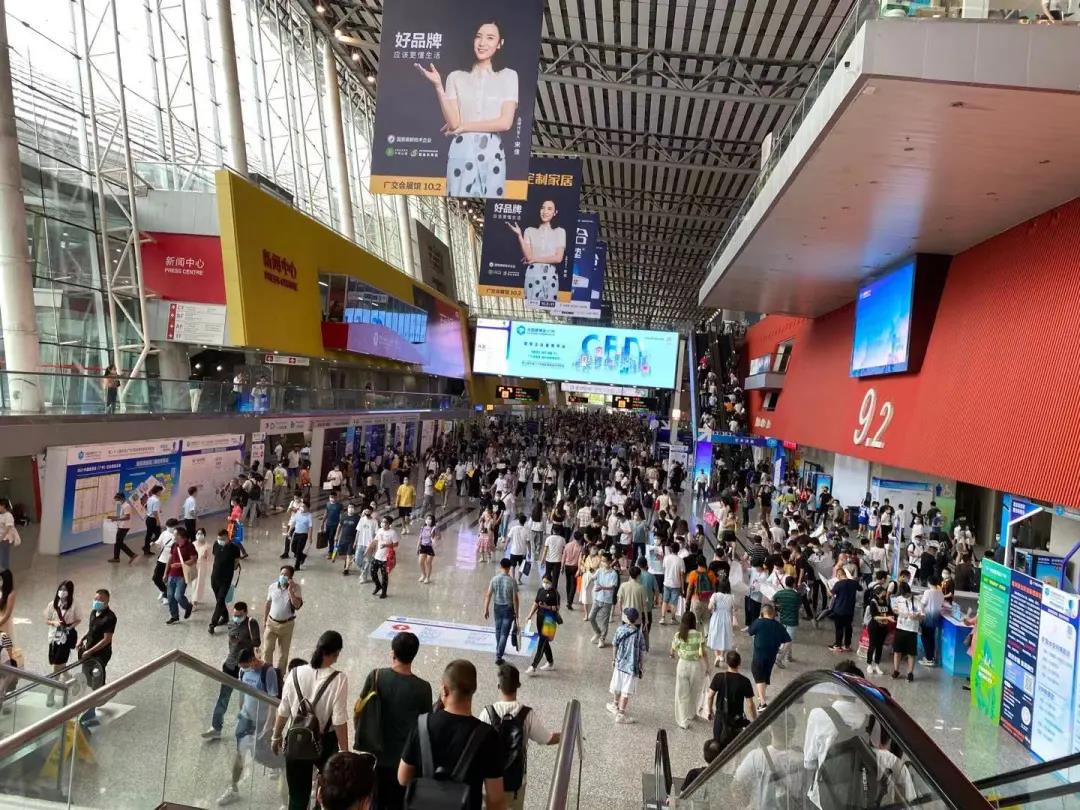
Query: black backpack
[437, 788]
[512, 740]
[848, 776]
[303, 740]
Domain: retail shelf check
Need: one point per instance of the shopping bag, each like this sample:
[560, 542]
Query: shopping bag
[526, 568]
[321, 540]
[548, 625]
[231, 593]
[108, 532]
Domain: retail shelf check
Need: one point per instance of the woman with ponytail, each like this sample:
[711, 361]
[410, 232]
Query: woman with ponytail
[314, 690]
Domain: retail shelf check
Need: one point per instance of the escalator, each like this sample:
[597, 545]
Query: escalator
[832, 741]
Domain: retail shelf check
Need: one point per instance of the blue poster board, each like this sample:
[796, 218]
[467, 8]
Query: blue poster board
[1021, 657]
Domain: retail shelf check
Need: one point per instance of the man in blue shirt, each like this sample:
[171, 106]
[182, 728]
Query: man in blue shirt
[300, 526]
[250, 738]
[330, 523]
[502, 591]
[653, 591]
[605, 583]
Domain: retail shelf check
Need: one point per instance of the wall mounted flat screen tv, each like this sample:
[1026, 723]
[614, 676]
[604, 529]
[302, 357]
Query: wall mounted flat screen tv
[882, 342]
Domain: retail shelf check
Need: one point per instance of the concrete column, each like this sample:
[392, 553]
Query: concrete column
[335, 143]
[408, 258]
[22, 394]
[233, 110]
[174, 366]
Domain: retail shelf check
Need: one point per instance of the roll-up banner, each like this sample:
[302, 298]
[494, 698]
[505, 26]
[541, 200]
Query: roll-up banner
[454, 111]
[528, 249]
[586, 290]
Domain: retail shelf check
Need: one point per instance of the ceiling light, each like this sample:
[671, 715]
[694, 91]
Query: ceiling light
[338, 34]
[319, 7]
[219, 368]
[356, 56]
[371, 78]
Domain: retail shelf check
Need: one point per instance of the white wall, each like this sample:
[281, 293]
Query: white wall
[1064, 532]
[851, 479]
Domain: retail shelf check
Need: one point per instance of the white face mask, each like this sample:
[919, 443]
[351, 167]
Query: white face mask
[62, 596]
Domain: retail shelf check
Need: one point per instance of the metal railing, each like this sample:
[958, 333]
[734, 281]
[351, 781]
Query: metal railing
[64, 394]
[570, 754]
[1022, 12]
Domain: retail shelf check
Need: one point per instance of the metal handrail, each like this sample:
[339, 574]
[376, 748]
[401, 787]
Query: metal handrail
[1029, 772]
[942, 776]
[35, 679]
[569, 745]
[662, 764]
[12, 744]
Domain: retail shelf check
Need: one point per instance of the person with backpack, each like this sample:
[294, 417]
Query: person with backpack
[516, 724]
[770, 774]
[262, 676]
[700, 586]
[452, 760]
[730, 700]
[312, 718]
[243, 635]
[396, 697]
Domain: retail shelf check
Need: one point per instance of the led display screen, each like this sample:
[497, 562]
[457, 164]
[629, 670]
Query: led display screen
[882, 339]
[566, 352]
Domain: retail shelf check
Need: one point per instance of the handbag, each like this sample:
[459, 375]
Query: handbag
[367, 720]
[548, 625]
[231, 593]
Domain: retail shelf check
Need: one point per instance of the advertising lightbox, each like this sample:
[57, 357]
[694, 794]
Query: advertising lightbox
[581, 353]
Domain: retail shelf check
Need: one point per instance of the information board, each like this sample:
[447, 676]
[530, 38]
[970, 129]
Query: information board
[1052, 726]
[989, 650]
[1021, 651]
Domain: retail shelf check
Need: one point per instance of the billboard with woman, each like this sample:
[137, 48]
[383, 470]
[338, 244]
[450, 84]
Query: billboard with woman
[454, 110]
[528, 249]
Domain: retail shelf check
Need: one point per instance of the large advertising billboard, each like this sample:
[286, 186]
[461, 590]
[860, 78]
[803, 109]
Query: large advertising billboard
[569, 352]
[989, 648]
[528, 249]
[454, 111]
[883, 323]
[587, 283]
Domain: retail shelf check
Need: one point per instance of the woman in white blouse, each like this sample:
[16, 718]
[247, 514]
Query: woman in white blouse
[543, 249]
[477, 105]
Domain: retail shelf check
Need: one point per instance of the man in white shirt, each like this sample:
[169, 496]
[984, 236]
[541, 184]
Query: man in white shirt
[459, 477]
[293, 467]
[509, 708]
[553, 550]
[517, 547]
[164, 541]
[583, 517]
[674, 570]
[283, 599]
[190, 511]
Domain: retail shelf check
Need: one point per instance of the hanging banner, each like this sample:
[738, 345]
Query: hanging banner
[989, 649]
[528, 246]
[1052, 725]
[1021, 656]
[583, 287]
[457, 84]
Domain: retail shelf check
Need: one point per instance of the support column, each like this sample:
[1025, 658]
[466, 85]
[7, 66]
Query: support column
[233, 109]
[335, 143]
[21, 394]
[408, 258]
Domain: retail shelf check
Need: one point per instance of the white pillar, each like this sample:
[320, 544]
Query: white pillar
[408, 258]
[335, 142]
[23, 393]
[233, 109]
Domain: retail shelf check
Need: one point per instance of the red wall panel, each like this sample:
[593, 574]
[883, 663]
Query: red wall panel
[997, 400]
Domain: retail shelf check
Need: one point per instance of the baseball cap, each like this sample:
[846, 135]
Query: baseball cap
[632, 615]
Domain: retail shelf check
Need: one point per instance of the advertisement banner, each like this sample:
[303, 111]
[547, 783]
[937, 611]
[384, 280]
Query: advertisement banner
[528, 246]
[427, 436]
[97, 472]
[579, 353]
[585, 291]
[376, 440]
[1021, 656]
[989, 651]
[436, 263]
[1052, 726]
[454, 111]
[410, 438]
[209, 463]
[183, 267]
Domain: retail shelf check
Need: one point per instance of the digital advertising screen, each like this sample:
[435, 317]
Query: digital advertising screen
[580, 353]
[443, 351]
[883, 323]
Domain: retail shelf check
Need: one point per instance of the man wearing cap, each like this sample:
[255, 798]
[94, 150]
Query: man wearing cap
[629, 649]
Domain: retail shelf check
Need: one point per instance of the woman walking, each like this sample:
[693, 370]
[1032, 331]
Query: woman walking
[425, 547]
[722, 621]
[906, 638]
[62, 617]
[485, 547]
[878, 617]
[546, 610]
[689, 649]
[383, 561]
[536, 530]
[204, 549]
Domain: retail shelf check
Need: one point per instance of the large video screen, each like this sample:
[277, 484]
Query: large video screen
[883, 323]
[443, 350]
[587, 353]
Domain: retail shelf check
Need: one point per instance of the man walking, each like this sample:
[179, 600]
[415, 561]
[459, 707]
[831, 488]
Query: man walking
[283, 599]
[226, 561]
[95, 649]
[243, 634]
[502, 594]
[605, 581]
[257, 674]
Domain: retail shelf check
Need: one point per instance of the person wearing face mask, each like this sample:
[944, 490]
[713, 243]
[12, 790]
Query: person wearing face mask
[605, 582]
[122, 519]
[384, 556]
[300, 527]
[344, 543]
[181, 555]
[425, 547]
[62, 617]
[259, 675]
[96, 648]
[331, 522]
[243, 634]
[283, 599]
[546, 610]
[325, 691]
[226, 561]
[365, 536]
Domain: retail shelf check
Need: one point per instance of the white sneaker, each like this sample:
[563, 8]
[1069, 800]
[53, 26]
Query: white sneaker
[594, 639]
[547, 666]
[421, 579]
[530, 671]
[601, 644]
[229, 796]
[926, 662]
[164, 600]
[611, 707]
[211, 734]
[623, 718]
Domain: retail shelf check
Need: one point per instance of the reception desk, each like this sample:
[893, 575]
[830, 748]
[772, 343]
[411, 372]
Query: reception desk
[952, 651]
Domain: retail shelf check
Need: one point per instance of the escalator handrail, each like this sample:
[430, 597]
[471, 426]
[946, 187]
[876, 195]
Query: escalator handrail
[941, 775]
[11, 744]
[1038, 769]
[662, 764]
[34, 678]
[570, 743]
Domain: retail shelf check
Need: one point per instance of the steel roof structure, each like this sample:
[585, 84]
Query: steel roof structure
[667, 103]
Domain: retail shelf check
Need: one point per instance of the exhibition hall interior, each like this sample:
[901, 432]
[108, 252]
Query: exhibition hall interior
[534, 405]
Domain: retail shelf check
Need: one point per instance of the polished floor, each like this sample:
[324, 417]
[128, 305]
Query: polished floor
[150, 744]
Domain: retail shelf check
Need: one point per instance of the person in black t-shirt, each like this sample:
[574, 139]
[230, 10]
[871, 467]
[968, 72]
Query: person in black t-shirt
[450, 730]
[96, 647]
[735, 690]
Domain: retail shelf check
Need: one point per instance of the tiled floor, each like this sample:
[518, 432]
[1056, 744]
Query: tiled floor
[160, 735]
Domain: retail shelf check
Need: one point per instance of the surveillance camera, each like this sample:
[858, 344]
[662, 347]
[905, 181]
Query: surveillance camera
[847, 63]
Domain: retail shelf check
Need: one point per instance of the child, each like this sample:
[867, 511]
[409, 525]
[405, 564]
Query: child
[628, 648]
[484, 545]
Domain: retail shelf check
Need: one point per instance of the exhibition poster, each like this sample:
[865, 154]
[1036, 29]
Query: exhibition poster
[209, 463]
[581, 353]
[454, 109]
[587, 282]
[989, 659]
[1052, 726]
[528, 249]
[96, 473]
[1021, 651]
